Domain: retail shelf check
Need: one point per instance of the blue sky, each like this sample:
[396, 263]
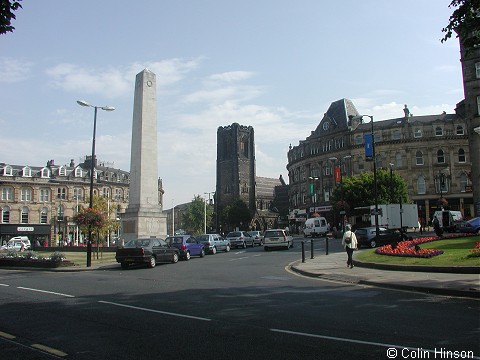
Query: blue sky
[275, 65]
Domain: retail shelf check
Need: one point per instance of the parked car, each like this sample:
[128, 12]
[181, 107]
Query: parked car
[187, 245]
[277, 238]
[471, 226]
[240, 239]
[18, 243]
[368, 237]
[257, 237]
[213, 243]
[146, 251]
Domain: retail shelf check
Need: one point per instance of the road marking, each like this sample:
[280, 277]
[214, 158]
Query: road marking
[44, 291]
[155, 311]
[6, 335]
[356, 341]
[49, 350]
[241, 258]
[4, 285]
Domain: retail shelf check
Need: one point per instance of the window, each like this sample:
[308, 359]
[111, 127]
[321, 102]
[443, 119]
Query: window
[417, 133]
[477, 70]
[118, 194]
[7, 193]
[26, 172]
[440, 156]
[478, 105]
[78, 172]
[44, 195]
[459, 130]
[461, 156]
[62, 171]
[78, 194]
[106, 192]
[441, 184]
[7, 171]
[45, 173]
[438, 131]
[421, 188]
[44, 216]
[398, 160]
[463, 182]
[396, 135]
[419, 158]
[358, 140]
[60, 212]
[5, 215]
[24, 215]
[26, 194]
[61, 193]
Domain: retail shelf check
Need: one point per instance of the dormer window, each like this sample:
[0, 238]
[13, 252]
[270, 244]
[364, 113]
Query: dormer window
[7, 171]
[78, 172]
[62, 171]
[26, 172]
[45, 173]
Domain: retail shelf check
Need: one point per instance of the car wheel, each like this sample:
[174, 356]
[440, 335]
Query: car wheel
[202, 253]
[175, 258]
[214, 250]
[124, 265]
[152, 262]
[373, 243]
[227, 249]
[244, 245]
[187, 256]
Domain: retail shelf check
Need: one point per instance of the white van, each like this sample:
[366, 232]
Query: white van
[448, 219]
[315, 226]
[15, 243]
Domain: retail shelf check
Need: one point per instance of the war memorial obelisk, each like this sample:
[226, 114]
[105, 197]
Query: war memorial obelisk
[143, 217]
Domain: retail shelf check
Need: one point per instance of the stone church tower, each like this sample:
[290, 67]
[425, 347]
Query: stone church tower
[235, 165]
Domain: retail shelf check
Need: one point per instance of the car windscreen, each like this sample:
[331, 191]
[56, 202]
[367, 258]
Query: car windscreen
[173, 240]
[203, 238]
[137, 243]
[273, 234]
[234, 234]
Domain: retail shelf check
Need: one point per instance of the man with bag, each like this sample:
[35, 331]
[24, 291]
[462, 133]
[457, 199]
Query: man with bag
[349, 242]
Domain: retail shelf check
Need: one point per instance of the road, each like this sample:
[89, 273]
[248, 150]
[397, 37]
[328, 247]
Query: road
[235, 305]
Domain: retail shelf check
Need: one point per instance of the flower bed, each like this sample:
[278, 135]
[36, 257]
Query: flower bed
[31, 259]
[411, 248]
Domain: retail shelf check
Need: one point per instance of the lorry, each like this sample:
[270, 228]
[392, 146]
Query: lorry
[395, 216]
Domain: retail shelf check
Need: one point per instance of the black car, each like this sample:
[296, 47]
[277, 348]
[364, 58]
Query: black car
[146, 251]
[368, 236]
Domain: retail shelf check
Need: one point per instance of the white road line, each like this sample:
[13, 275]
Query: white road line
[4, 285]
[44, 291]
[155, 311]
[358, 341]
[241, 258]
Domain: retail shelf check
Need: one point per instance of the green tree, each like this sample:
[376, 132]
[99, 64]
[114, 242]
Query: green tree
[358, 191]
[194, 215]
[7, 7]
[237, 214]
[465, 21]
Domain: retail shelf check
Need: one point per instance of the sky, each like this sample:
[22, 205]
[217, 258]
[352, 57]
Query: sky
[275, 65]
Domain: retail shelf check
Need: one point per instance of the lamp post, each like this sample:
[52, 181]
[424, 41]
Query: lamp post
[367, 150]
[314, 194]
[205, 212]
[340, 162]
[92, 169]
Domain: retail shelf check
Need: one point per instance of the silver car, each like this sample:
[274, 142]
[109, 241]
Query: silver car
[257, 237]
[213, 243]
[240, 239]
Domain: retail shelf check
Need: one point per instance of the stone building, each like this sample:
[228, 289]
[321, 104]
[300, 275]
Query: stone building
[40, 201]
[431, 153]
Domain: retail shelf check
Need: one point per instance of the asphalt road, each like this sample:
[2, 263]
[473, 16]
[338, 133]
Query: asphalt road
[235, 305]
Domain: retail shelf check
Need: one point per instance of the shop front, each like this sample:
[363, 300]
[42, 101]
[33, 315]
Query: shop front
[39, 234]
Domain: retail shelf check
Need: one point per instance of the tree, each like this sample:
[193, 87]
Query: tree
[6, 14]
[194, 215]
[358, 191]
[465, 22]
[237, 214]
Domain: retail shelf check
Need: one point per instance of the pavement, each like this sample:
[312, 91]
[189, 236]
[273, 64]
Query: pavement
[449, 281]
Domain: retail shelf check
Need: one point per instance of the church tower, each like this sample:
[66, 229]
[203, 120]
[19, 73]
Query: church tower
[235, 165]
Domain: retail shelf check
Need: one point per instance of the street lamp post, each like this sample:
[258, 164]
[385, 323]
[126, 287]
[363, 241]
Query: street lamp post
[92, 169]
[375, 191]
[314, 193]
[205, 212]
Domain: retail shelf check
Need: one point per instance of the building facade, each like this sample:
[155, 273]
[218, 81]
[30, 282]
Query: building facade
[40, 201]
[431, 153]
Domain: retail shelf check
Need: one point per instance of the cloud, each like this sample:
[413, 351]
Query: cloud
[231, 76]
[14, 70]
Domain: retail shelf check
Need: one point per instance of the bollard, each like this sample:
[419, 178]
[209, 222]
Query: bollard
[311, 249]
[303, 251]
[326, 245]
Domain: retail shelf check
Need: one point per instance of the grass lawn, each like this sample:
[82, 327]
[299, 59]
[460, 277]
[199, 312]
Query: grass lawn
[80, 258]
[455, 254]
